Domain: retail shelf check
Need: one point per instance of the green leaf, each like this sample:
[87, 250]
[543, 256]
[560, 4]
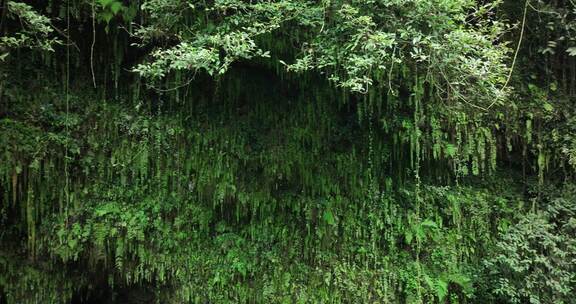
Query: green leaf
[329, 217]
[429, 224]
[105, 3]
[441, 289]
[408, 236]
[461, 280]
[116, 7]
[553, 87]
[450, 150]
[420, 234]
[107, 16]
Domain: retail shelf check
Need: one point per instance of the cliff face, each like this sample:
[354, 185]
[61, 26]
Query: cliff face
[167, 151]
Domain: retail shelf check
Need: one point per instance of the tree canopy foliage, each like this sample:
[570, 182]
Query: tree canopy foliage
[287, 151]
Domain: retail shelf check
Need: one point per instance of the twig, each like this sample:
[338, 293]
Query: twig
[93, 42]
[69, 41]
[517, 51]
[460, 96]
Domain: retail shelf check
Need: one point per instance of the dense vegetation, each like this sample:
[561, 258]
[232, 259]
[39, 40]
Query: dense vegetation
[287, 151]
